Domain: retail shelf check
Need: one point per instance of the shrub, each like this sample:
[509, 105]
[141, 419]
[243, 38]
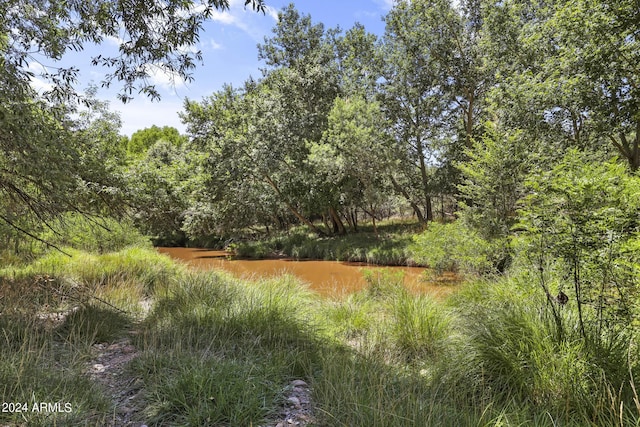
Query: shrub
[579, 226]
[456, 248]
[93, 234]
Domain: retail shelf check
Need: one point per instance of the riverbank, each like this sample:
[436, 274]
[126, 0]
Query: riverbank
[390, 244]
[132, 338]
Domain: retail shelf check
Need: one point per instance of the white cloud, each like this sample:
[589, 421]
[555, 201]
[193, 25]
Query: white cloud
[386, 4]
[37, 82]
[244, 18]
[273, 13]
[224, 17]
[162, 76]
[214, 44]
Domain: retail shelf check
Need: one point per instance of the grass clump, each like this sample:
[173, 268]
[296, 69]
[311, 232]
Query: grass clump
[420, 328]
[39, 366]
[134, 265]
[512, 351]
[218, 352]
[188, 390]
[94, 324]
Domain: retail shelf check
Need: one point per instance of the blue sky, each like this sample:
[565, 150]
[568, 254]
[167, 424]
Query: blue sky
[229, 52]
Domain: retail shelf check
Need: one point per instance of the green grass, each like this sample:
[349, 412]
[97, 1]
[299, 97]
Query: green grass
[217, 352]
[41, 365]
[389, 247]
[214, 350]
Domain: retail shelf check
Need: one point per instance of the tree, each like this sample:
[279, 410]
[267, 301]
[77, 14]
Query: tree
[353, 158]
[492, 182]
[359, 62]
[158, 188]
[43, 165]
[291, 106]
[230, 191]
[143, 139]
[571, 74]
[414, 98]
[50, 164]
[599, 42]
[151, 34]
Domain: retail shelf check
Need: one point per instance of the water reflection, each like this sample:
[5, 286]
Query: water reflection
[329, 278]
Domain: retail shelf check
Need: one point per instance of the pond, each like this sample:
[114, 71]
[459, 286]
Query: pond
[328, 278]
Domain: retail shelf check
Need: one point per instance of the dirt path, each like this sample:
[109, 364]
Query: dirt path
[108, 368]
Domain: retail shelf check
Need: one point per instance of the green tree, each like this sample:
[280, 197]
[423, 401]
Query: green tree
[48, 165]
[141, 140]
[599, 49]
[359, 62]
[493, 180]
[353, 158]
[230, 190]
[43, 158]
[570, 74]
[158, 188]
[414, 99]
[290, 108]
[150, 34]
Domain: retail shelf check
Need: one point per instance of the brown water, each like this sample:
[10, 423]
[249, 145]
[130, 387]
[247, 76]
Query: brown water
[328, 278]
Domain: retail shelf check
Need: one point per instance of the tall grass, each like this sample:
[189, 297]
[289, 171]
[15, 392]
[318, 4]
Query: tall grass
[217, 352]
[39, 365]
[511, 350]
[213, 350]
[52, 312]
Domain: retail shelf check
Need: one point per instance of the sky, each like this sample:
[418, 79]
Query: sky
[230, 55]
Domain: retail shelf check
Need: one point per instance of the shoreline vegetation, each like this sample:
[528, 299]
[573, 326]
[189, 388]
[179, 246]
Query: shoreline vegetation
[390, 244]
[131, 337]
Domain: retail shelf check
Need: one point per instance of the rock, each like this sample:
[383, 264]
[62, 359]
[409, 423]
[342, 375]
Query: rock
[97, 368]
[294, 401]
[299, 383]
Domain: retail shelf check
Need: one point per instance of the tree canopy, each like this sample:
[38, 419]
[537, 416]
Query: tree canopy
[46, 159]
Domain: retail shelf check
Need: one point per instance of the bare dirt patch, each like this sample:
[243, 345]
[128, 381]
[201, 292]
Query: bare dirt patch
[108, 368]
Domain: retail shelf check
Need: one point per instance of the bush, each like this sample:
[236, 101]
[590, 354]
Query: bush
[510, 350]
[93, 234]
[456, 248]
[579, 226]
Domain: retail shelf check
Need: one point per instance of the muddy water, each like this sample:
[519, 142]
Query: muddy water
[329, 278]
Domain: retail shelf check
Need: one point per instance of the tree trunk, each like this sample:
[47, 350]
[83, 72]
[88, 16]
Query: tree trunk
[354, 216]
[631, 151]
[414, 206]
[429, 209]
[469, 121]
[325, 221]
[372, 214]
[293, 210]
[425, 183]
[337, 222]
